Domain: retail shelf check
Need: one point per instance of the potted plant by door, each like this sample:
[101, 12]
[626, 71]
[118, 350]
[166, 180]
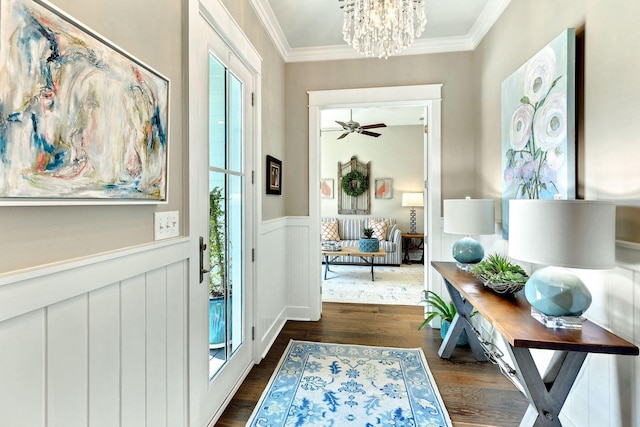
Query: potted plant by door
[368, 243]
[446, 312]
[217, 275]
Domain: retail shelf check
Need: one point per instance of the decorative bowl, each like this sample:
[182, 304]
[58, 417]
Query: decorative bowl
[504, 288]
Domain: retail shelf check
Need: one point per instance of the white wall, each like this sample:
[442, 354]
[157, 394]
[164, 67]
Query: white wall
[397, 153]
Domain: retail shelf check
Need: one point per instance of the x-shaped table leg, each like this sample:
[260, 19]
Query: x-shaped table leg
[546, 396]
[461, 321]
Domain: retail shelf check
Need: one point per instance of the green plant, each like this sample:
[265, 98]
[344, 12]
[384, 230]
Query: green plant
[499, 274]
[439, 307]
[216, 243]
[368, 232]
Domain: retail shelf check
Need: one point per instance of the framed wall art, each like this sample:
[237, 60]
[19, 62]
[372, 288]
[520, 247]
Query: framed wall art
[383, 188]
[326, 188]
[538, 127]
[82, 119]
[274, 176]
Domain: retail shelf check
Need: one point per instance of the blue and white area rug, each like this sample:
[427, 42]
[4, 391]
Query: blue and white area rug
[401, 285]
[318, 384]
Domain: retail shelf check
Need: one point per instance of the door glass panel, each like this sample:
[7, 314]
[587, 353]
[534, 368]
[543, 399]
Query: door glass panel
[235, 124]
[236, 260]
[217, 113]
[218, 264]
[226, 215]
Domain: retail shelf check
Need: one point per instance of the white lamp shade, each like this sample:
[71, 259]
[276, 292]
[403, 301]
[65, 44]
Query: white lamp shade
[469, 216]
[563, 233]
[412, 200]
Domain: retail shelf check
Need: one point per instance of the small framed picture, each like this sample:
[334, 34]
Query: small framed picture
[383, 189]
[274, 176]
[326, 188]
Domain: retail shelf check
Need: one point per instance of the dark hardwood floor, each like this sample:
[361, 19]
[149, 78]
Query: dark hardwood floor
[475, 393]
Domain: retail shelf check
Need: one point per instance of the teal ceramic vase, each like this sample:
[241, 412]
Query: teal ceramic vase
[468, 251]
[555, 291]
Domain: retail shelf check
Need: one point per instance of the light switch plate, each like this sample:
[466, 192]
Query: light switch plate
[166, 224]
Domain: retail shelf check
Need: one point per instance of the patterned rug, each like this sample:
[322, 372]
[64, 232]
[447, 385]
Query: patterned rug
[317, 384]
[393, 285]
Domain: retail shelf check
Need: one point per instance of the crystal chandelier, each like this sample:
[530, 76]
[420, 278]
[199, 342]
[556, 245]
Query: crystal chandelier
[382, 28]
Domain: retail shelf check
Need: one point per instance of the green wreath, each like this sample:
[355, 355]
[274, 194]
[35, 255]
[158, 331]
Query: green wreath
[354, 184]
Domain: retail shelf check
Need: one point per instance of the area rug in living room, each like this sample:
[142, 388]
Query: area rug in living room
[401, 285]
[320, 384]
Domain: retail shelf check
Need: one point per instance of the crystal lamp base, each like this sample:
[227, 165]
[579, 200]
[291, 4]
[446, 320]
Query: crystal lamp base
[557, 322]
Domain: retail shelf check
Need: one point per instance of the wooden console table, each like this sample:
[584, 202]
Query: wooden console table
[511, 317]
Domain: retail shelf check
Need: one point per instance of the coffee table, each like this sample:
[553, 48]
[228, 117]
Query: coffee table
[366, 257]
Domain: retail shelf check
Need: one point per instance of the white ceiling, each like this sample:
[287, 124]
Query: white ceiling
[311, 30]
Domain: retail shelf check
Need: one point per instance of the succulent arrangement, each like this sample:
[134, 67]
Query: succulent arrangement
[499, 274]
[368, 232]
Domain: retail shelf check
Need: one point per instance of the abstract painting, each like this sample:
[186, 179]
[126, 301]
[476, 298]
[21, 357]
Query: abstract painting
[383, 189]
[326, 188]
[538, 127]
[79, 117]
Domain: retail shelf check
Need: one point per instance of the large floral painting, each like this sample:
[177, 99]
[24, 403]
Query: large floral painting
[538, 127]
[79, 118]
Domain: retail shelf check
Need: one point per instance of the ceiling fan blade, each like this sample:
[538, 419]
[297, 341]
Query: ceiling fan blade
[343, 124]
[343, 135]
[366, 132]
[377, 125]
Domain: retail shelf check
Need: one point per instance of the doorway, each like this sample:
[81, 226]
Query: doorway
[391, 140]
[427, 96]
[222, 140]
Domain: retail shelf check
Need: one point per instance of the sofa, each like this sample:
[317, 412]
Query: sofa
[350, 231]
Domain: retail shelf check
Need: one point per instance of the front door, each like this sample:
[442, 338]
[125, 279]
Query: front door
[221, 158]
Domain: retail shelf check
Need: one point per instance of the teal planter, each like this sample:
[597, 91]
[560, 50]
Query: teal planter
[463, 339]
[368, 245]
[217, 324]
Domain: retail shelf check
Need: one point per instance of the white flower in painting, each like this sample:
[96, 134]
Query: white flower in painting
[539, 74]
[521, 126]
[555, 158]
[550, 123]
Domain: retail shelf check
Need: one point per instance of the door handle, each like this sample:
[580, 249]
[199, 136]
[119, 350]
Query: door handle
[203, 248]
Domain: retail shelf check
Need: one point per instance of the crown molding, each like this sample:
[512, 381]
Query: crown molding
[485, 21]
[272, 26]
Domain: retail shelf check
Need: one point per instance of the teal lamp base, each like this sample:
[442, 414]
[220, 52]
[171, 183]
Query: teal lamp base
[557, 297]
[467, 252]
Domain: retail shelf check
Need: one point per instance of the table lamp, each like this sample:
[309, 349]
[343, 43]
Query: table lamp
[561, 233]
[468, 216]
[413, 201]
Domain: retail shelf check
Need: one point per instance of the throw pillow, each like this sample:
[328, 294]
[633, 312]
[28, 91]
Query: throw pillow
[330, 231]
[379, 229]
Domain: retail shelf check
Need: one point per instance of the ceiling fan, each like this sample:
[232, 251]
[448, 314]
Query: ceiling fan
[351, 126]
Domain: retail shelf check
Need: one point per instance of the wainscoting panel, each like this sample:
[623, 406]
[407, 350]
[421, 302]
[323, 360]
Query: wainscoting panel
[22, 364]
[108, 350]
[284, 279]
[104, 356]
[299, 269]
[271, 283]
